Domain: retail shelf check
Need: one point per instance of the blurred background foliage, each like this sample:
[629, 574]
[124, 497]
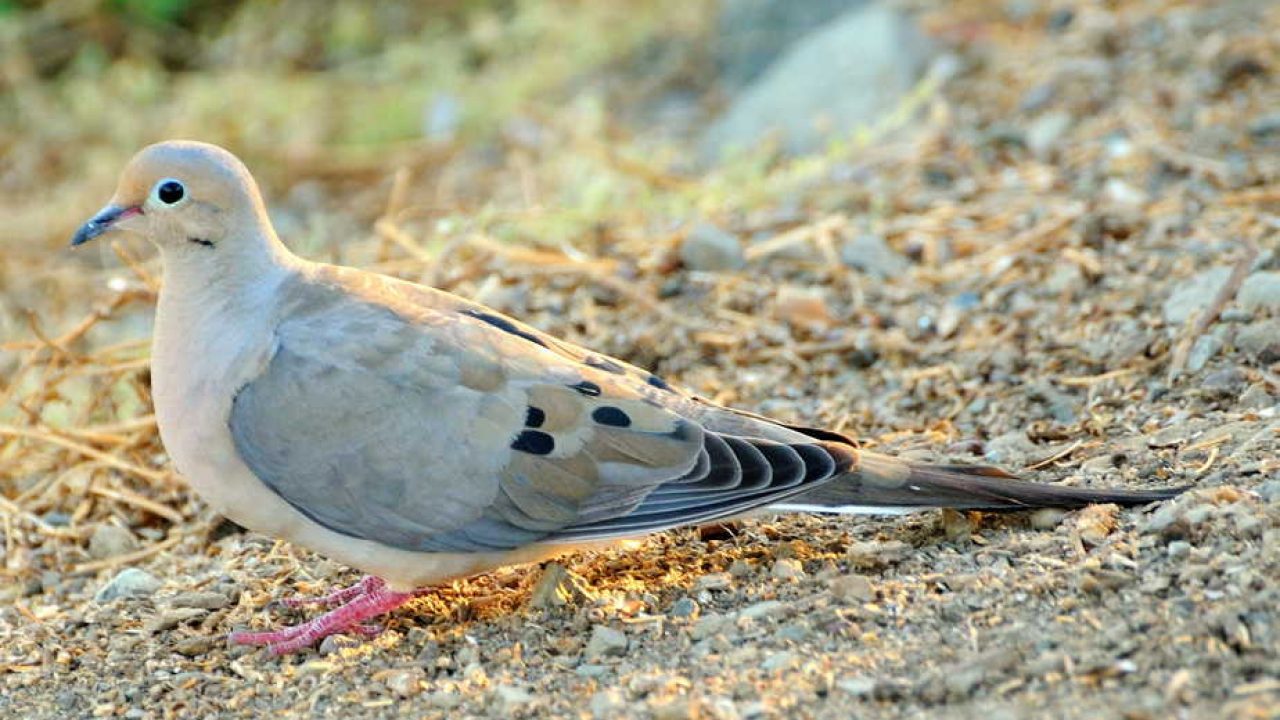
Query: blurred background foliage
[326, 100]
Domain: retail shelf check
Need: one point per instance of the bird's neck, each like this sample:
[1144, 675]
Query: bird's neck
[234, 278]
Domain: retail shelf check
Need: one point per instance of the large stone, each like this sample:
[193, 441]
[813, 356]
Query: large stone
[873, 256]
[709, 249]
[130, 582]
[1261, 291]
[1194, 295]
[110, 541]
[605, 642]
[845, 74]
[751, 34]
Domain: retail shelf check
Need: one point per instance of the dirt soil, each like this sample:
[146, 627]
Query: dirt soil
[1067, 266]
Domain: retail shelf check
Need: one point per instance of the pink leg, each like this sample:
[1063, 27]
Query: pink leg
[375, 599]
[337, 597]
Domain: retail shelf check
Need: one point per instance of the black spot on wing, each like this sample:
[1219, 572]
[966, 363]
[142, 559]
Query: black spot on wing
[611, 416]
[655, 381]
[586, 387]
[534, 417]
[603, 363]
[505, 325]
[534, 442]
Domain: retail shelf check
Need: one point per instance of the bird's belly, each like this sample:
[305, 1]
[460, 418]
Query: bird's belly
[193, 420]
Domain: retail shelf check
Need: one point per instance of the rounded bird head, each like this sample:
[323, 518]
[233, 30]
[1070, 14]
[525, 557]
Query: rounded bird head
[182, 194]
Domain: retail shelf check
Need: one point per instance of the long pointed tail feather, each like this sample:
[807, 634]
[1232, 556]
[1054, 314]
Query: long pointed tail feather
[887, 485]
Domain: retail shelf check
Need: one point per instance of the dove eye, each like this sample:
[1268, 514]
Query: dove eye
[170, 192]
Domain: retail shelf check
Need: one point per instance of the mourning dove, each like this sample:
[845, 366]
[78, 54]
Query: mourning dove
[420, 437]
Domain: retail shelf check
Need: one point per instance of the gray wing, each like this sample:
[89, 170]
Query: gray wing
[434, 430]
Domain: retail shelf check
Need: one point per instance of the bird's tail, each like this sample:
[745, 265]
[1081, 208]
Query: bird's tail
[880, 484]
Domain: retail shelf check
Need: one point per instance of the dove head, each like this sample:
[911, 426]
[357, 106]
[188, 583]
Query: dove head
[189, 197]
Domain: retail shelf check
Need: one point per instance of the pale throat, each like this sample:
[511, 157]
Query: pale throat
[218, 299]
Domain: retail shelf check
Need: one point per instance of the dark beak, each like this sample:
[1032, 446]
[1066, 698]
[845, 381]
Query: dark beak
[106, 218]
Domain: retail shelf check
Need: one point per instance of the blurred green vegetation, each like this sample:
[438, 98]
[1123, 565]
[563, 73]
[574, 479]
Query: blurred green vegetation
[303, 90]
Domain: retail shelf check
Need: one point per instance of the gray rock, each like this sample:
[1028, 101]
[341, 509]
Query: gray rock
[406, 682]
[1178, 549]
[1261, 291]
[707, 248]
[1043, 135]
[610, 703]
[1256, 397]
[1270, 491]
[964, 679]
[1009, 449]
[203, 600]
[110, 541]
[685, 608]
[130, 582]
[605, 642]
[844, 74]
[1265, 126]
[1194, 295]
[853, 588]
[1168, 521]
[709, 625]
[764, 609]
[778, 661]
[872, 255]
[173, 617]
[874, 554]
[442, 117]
[591, 670]
[857, 686]
[1225, 381]
[751, 34]
[1047, 518]
[510, 697]
[787, 569]
[1205, 347]
[1260, 341]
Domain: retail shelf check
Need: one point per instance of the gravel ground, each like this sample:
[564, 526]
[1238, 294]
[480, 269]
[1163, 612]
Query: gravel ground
[1070, 269]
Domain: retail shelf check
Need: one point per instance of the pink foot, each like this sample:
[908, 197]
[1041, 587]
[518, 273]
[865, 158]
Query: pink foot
[368, 598]
[337, 597]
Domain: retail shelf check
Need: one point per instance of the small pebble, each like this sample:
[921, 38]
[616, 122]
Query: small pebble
[1095, 523]
[714, 581]
[111, 540]
[1044, 135]
[510, 697]
[709, 625]
[204, 600]
[685, 608]
[853, 588]
[1260, 341]
[130, 582]
[871, 555]
[787, 569]
[591, 670]
[173, 617]
[778, 661]
[607, 704]
[1202, 351]
[1047, 518]
[804, 307]
[605, 642]
[194, 646]
[707, 248]
[1260, 291]
[406, 682]
[873, 256]
[766, 609]
[679, 708]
